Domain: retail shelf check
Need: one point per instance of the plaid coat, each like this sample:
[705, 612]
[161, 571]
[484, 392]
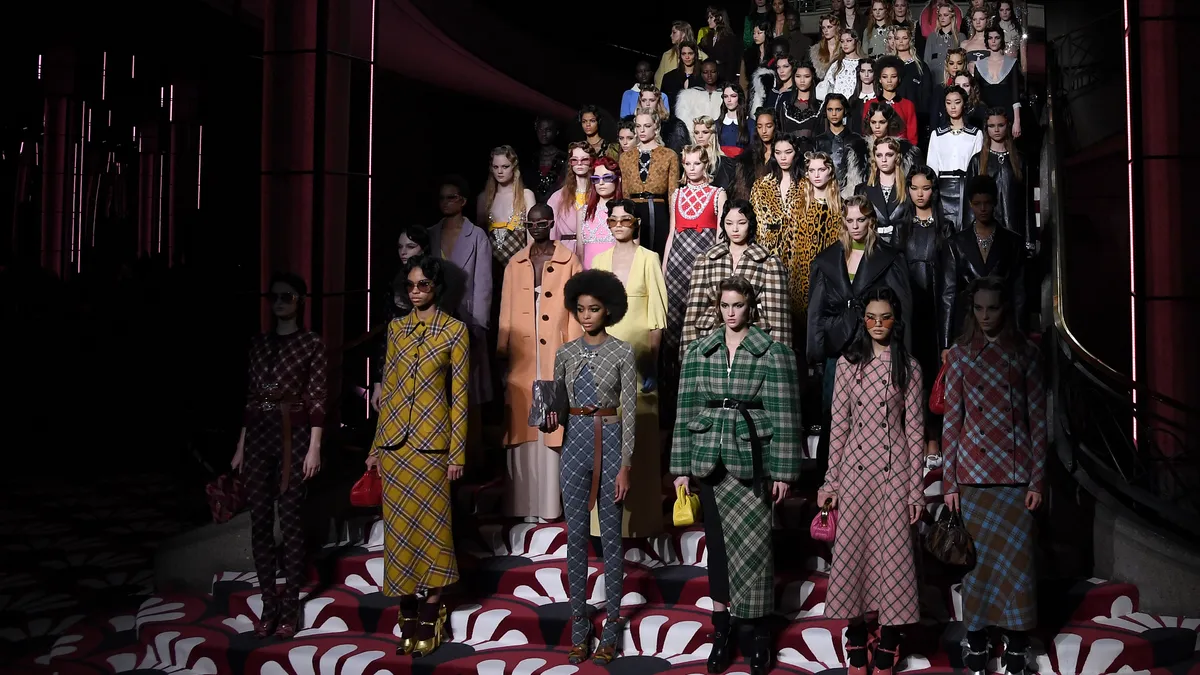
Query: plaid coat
[761, 269]
[994, 430]
[762, 370]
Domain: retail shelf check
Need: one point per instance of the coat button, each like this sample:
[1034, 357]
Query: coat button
[547, 294]
[549, 269]
[860, 402]
[884, 425]
[543, 340]
[545, 317]
[860, 467]
[887, 467]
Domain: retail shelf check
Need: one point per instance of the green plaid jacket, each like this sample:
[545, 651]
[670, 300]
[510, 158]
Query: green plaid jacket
[762, 370]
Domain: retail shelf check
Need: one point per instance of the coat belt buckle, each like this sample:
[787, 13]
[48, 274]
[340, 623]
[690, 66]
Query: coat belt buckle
[729, 404]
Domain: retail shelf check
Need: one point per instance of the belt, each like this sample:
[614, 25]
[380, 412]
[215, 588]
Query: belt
[649, 196]
[756, 458]
[568, 237]
[681, 225]
[598, 415]
[285, 403]
[958, 173]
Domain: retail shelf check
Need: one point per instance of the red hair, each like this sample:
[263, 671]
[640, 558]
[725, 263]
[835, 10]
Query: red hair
[593, 197]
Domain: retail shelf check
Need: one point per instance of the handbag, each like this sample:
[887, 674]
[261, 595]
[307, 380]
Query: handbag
[949, 541]
[687, 507]
[824, 524]
[368, 490]
[543, 402]
[937, 397]
[225, 497]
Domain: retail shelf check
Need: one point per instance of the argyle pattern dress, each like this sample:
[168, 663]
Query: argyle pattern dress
[422, 430]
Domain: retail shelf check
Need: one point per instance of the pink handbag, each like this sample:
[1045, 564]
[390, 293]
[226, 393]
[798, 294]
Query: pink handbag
[824, 525]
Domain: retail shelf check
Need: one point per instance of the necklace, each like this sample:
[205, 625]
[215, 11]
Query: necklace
[924, 222]
[985, 243]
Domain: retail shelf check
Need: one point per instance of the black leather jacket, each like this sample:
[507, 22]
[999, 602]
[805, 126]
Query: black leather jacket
[921, 246]
[1012, 208]
[889, 213]
[835, 309]
[962, 263]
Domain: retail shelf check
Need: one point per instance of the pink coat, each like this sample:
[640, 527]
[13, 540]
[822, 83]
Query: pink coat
[566, 220]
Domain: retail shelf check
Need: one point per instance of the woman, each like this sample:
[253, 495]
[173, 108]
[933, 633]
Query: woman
[737, 254]
[842, 76]
[875, 35]
[820, 223]
[976, 108]
[755, 162]
[533, 325]
[994, 443]
[640, 271]
[649, 176]
[954, 64]
[597, 381]
[594, 235]
[757, 56]
[778, 200]
[734, 134]
[1000, 81]
[885, 186]
[951, 148]
[695, 210]
[285, 410]
[781, 91]
[888, 73]
[756, 14]
[681, 33]
[722, 169]
[777, 18]
[685, 76]
[1004, 163]
[626, 135]
[874, 479]
[589, 122]
[738, 432]
[847, 149]
[976, 43]
[1014, 35]
[569, 200]
[503, 203]
[412, 242]
[545, 173]
[723, 47]
[822, 54]
[883, 122]
[864, 90]
[853, 16]
[842, 274]
[802, 116]
[419, 448]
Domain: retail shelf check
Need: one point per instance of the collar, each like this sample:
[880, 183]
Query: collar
[756, 252]
[978, 344]
[886, 355]
[730, 118]
[757, 342]
[410, 322]
[561, 255]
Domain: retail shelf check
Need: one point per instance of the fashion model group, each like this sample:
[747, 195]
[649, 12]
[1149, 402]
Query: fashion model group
[831, 241]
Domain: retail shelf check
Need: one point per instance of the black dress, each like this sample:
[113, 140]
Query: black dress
[1004, 92]
[962, 263]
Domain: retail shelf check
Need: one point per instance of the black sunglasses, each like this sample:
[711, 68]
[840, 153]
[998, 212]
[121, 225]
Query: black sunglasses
[424, 285]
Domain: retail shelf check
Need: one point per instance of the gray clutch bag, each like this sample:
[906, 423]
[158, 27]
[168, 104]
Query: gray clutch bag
[543, 401]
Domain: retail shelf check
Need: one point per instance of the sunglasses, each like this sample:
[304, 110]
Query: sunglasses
[537, 224]
[449, 198]
[576, 161]
[620, 220]
[424, 285]
[606, 178]
[282, 297]
[886, 322]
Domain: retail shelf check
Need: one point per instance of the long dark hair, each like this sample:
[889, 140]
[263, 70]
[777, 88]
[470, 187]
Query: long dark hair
[935, 201]
[773, 166]
[862, 351]
[747, 210]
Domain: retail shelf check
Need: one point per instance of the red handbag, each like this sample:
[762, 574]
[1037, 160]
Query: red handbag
[824, 525]
[225, 497]
[368, 491]
[937, 397]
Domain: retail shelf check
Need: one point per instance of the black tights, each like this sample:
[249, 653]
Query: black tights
[889, 640]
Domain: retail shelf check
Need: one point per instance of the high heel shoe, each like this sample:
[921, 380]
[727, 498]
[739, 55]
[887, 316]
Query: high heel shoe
[720, 657]
[607, 651]
[976, 661]
[408, 630]
[265, 626]
[582, 649]
[430, 634]
[853, 669]
[763, 656]
[1015, 662]
[895, 657]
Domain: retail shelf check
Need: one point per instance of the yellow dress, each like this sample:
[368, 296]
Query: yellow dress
[422, 430]
[647, 292]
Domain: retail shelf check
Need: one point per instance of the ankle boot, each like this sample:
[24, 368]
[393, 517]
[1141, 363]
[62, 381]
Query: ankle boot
[856, 649]
[721, 655]
[887, 651]
[1016, 653]
[764, 654]
[975, 654]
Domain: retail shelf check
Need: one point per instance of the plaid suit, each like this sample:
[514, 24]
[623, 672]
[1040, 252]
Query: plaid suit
[761, 269]
[714, 445]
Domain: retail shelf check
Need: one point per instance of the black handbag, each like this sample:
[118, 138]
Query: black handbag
[543, 402]
[949, 541]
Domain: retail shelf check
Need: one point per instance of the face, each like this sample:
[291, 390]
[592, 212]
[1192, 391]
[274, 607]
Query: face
[1005, 10]
[644, 74]
[605, 181]
[889, 79]
[956, 63]
[708, 73]
[878, 11]
[590, 124]
[879, 320]
[627, 139]
[878, 124]
[765, 126]
[963, 80]
[920, 190]
[779, 50]
[735, 311]
[857, 224]
[945, 16]
[983, 206]
[900, 9]
[759, 36]
[676, 36]
[737, 227]
[954, 106]
[885, 158]
[849, 43]
[978, 20]
[703, 134]
[997, 128]
[285, 301]
[712, 21]
[995, 40]
[407, 248]
[785, 154]
[784, 69]
[590, 313]
[903, 41]
[866, 73]
[989, 311]
[791, 20]
[539, 223]
[645, 127]
[693, 167]
[503, 169]
[420, 289]
[648, 101]
[891, 41]
[581, 163]
[804, 79]
[828, 30]
[819, 173]
[730, 98]
[688, 56]
[778, 7]
[835, 112]
[547, 132]
[450, 201]
[622, 224]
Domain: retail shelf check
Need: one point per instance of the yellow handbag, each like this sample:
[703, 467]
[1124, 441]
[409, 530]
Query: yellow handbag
[687, 507]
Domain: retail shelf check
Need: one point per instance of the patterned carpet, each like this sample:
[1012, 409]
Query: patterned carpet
[76, 597]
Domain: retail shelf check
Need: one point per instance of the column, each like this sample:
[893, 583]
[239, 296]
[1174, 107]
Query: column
[183, 169]
[58, 73]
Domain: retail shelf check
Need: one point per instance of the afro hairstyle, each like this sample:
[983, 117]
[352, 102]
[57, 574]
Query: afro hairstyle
[602, 285]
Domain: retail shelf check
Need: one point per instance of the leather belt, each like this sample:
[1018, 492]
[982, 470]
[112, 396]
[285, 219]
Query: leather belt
[568, 237]
[648, 196]
[756, 454]
[598, 415]
[287, 405]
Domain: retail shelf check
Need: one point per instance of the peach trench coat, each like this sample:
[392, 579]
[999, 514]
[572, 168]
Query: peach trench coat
[527, 338]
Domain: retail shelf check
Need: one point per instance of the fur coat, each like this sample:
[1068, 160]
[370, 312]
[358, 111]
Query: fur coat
[696, 102]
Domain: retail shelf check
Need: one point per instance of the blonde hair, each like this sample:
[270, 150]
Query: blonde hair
[489, 190]
[954, 34]
[657, 125]
[689, 35]
[840, 58]
[873, 178]
[714, 148]
[865, 207]
[832, 191]
[823, 53]
[660, 108]
[694, 149]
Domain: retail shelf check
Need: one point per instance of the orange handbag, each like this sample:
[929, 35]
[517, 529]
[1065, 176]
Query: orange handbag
[368, 491]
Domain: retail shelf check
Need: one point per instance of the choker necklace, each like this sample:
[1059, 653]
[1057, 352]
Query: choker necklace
[985, 243]
[858, 245]
[924, 222]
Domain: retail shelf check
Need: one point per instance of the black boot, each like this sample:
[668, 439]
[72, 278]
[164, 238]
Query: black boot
[1016, 653]
[763, 657]
[975, 656]
[721, 655]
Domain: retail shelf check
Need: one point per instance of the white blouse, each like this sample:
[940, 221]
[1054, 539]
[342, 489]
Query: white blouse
[952, 149]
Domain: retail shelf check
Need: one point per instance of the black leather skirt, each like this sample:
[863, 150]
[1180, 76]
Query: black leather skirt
[950, 187]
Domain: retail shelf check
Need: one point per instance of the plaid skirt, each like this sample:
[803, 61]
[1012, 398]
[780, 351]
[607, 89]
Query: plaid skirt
[1000, 590]
[745, 522]
[418, 542]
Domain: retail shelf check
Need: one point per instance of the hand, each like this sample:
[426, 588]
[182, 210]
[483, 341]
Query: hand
[945, 356]
[779, 491]
[238, 456]
[1016, 129]
[914, 514]
[685, 483]
[376, 396]
[455, 471]
[952, 502]
[312, 462]
[550, 424]
[372, 462]
[622, 485]
[823, 496]
[649, 384]
[1033, 500]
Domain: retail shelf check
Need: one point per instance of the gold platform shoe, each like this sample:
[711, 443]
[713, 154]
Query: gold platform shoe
[427, 646]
